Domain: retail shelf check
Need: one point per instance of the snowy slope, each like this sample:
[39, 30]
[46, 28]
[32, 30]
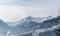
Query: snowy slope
[3, 28]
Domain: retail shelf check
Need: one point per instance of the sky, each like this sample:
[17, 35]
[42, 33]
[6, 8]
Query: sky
[11, 10]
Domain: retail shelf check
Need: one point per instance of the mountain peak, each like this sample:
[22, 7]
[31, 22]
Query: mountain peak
[29, 17]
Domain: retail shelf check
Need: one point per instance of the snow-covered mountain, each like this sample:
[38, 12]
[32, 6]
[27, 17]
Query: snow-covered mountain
[33, 19]
[3, 28]
[35, 25]
[51, 22]
[27, 24]
[30, 23]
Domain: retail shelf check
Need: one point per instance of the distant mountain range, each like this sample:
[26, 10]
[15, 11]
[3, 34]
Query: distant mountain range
[29, 24]
[51, 22]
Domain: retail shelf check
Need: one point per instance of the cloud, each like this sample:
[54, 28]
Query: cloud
[11, 13]
[43, 11]
[17, 9]
[3, 1]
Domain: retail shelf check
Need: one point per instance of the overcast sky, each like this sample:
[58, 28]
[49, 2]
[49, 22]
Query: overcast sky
[17, 9]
